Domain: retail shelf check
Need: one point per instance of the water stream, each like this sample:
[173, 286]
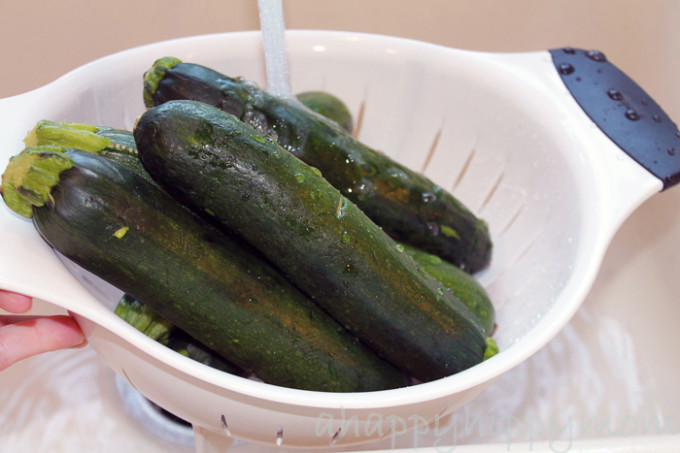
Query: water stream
[273, 28]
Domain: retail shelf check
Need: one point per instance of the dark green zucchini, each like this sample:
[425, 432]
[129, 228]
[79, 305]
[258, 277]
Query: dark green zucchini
[156, 327]
[406, 204]
[124, 229]
[227, 170]
[327, 105]
[463, 285]
[119, 146]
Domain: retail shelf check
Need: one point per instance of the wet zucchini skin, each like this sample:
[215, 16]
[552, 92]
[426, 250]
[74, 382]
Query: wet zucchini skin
[463, 285]
[409, 206]
[329, 106]
[203, 283]
[227, 170]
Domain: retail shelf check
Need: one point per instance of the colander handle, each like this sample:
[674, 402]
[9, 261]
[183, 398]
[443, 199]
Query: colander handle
[622, 110]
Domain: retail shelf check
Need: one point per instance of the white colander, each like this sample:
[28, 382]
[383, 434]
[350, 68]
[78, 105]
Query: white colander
[501, 131]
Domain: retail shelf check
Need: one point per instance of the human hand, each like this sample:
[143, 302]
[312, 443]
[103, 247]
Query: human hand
[25, 338]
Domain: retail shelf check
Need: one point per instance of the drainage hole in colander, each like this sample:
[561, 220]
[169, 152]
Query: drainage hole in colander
[225, 425]
[493, 190]
[359, 120]
[433, 148]
[336, 436]
[464, 170]
[511, 219]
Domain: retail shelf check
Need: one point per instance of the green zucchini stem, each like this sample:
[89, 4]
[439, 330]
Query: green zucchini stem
[491, 348]
[81, 136]
[153, 76]
[30, 176]
[144, 319]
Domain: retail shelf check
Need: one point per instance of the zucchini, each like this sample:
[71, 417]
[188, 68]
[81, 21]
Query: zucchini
[406, 204]
[463, 285]
[124, 229]
[228, 171]
[144, 319]
[329, 106]
[156, 327]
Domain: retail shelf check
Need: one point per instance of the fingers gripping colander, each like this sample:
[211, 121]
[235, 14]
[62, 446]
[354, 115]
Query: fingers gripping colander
[502, 131]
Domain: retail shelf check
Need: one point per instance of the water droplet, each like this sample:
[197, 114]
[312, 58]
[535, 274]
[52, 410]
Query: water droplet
[565, 68]
[345, 237]
[255, 119]
[615, 94]
[400, 248]
[596, 55]
[671, 151]
[363, 189]
[632, 115]
[569, 50]
[656, 118]
[290, 146]
[299, 177]
[340, 209]
[397, 173]
[433, 228]
[428, 197]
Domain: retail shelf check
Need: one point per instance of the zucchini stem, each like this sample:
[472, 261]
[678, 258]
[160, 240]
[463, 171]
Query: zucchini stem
[491, 348]
[82, 136]
[144, 319]
[30, 176]
[153, 76]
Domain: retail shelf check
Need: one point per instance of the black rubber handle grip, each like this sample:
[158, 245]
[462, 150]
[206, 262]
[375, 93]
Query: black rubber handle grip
[622, 110]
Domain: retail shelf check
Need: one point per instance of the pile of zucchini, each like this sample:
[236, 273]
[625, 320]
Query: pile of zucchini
[255, 235]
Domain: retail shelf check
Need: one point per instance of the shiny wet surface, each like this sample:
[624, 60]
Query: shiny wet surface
[611, 373]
